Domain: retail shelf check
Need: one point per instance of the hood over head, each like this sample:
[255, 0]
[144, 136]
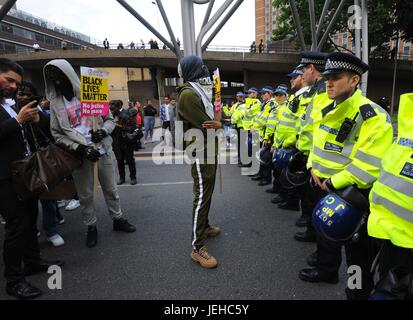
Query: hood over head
[57, 73]
[192, 68]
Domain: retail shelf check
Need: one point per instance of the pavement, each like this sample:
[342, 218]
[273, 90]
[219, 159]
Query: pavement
[258, 258]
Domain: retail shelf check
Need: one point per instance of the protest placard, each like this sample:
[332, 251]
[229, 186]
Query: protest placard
[94, 92]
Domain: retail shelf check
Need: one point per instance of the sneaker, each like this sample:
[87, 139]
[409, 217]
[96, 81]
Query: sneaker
[123, 225]
[213, 231]
[38, 234]
[61, 221]
[202, 257]
[61, 203]
[56, 240]
[73, 204]
[2, 221]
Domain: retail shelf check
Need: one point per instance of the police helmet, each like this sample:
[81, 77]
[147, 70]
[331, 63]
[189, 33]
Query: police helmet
[282, 157]
[295, 175]
[340, 215]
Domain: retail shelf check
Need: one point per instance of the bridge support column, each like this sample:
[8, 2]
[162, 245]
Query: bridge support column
[160, 81]
[246, 84]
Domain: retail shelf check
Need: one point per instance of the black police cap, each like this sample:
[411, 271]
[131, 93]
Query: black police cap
[337, 62]
[312, 57]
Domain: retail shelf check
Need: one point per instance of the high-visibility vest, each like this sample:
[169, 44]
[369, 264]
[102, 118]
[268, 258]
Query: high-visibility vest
[285, 131]
[318, 99]
[236, 117]
[260, 120]
[391, 198]
[226, 111]
[253, 107]
[356, 161]
[272, 122]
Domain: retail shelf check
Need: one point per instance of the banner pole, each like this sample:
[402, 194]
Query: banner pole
[95, 164]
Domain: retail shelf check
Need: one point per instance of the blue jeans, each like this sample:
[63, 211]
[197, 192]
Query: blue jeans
[149, 123]
[50, 214]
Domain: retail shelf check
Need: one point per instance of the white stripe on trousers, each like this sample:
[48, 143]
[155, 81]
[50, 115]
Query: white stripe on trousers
[201, 195]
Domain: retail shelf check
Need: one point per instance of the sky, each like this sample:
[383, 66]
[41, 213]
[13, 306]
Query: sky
[102, 19]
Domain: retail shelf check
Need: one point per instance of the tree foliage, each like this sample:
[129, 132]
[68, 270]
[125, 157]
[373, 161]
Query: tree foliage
[383, 15]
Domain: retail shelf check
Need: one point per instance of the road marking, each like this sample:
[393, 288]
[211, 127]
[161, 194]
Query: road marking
[157, 184]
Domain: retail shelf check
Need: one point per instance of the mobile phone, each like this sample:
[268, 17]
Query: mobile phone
[37, 99]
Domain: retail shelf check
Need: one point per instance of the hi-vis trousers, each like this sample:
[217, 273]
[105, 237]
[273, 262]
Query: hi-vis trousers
[204, 183]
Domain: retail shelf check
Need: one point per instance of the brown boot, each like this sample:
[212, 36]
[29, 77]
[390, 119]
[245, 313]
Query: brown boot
[213, 231]
[204, 258]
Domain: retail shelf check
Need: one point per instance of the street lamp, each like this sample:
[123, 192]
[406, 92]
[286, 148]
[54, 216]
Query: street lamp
[157, 14]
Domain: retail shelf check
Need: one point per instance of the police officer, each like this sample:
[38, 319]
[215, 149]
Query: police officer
[391, 197]
[350, 136]
[260, 124]
[312, 64]
[236, 120]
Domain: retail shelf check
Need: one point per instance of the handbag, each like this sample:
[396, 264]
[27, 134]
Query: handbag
[42, 170]
[135, 136]
[65, 190]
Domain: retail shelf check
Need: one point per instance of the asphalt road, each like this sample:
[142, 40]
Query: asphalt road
[257, 255]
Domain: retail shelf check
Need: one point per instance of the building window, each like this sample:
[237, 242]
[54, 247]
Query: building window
[406, 51]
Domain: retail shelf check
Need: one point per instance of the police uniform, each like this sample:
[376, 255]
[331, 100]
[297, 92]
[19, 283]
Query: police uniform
[391, 199]
[316, 97]
[236, 120]
[349, 140]
[261, 122]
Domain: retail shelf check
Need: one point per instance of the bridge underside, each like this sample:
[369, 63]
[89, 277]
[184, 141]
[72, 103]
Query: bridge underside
[250, 69]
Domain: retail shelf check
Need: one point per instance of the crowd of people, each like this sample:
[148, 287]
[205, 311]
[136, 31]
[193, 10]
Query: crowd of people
[325, 150]
[329, 152]
[152, 44]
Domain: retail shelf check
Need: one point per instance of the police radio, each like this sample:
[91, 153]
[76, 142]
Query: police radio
[294, 105]
[346, 128]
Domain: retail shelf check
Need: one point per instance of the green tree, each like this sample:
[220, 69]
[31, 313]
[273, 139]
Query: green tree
[381, 23]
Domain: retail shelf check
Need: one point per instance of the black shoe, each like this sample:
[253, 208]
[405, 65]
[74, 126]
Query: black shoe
[123, 225]
[278, 199]
[252, 175]
[312, 259]
[302, 222]
[133, 182]
[42, 266]
[239, 164]
[272, 191]
[264, 183]
[306, 236]
[256, 178]
[92, 236]
[121, 181]
[293, 206]
[23, 290]
[314, 275]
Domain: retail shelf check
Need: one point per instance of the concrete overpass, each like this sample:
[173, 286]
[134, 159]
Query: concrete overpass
[252, 69]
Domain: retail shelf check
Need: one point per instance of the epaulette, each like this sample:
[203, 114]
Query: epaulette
[367, 111]
[327, 109]
[321, 87]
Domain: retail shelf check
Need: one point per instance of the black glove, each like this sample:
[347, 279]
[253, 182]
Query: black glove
[89, 152]
[98, 135]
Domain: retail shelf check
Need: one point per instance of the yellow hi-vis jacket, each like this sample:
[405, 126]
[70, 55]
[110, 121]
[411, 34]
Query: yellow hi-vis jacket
[236, 116]
[391, 198]
[318, 99]
[299, 98]
[226, 111]
[253, 107]
[260, 120]
[272, 122]
[285, 130]
[356, 161]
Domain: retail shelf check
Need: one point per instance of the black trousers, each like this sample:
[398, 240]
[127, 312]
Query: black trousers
[125, 154]
[309, 197]
[20, 242]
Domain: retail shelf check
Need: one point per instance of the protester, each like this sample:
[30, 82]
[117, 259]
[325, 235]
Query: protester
[74, 132]
[197, 112]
